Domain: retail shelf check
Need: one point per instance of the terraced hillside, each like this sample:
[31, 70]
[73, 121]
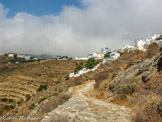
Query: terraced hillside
[23, 86]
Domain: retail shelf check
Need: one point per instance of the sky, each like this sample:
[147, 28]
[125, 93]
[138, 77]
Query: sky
[75, 27]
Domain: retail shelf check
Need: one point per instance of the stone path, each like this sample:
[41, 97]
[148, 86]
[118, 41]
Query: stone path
[82, 108]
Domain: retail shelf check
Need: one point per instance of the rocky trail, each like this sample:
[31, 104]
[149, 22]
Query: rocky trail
[83, 108]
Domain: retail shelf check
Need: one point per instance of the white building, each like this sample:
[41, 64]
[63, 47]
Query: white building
[140, 44]
[11, 55]
[96, 55]
[81, 58]
[27, 57]
[155, 36]
[36, 59]
[128, 47]
[149, 41]
[107, 60]
[24, 56]
[105, 50]
[20, 56]
[114, 55]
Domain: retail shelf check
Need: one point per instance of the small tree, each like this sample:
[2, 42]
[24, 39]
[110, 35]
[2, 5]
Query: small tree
[78, 67]
[28, 97]
[67, 77]
[107, 54]
[41, 87]
[15, 55]
[91, 62]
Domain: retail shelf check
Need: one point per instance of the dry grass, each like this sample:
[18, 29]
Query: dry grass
[144, 100]
[19, 80]
[76, 81]
[99, 77]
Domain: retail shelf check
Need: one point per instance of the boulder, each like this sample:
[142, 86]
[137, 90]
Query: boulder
[159, 64]
[145, 77]
[159, 108]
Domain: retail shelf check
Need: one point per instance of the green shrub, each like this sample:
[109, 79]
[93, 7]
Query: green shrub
[41, 87]
[12, 107]
[1, 112]
[4, 99]
[57, 82]
[91, 62]
[60, 90]
[9, 107]
[28, 97]
[15, 55]
[41, 100]
[78, 67]
[32, 106]
[67, 77]
[107, 55]
[10, 100]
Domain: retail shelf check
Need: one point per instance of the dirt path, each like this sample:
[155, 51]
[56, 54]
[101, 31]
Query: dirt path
[82, 108]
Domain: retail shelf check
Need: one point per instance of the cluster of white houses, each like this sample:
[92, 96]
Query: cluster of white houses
[113, 55]
[100, 55]
[26, 57]
[142, 43]
[139, 45]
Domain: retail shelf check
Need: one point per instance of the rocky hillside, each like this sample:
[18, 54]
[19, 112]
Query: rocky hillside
[141, 71]
[134, 80]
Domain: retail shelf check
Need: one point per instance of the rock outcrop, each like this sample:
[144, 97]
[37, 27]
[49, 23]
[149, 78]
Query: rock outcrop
[127, 81]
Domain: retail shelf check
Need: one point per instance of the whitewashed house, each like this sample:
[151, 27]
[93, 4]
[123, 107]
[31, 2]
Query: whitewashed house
[107, 60]
[36, 59]
[26, 57]
[149, 41]
[141, 45]
[11, 55]
[96, 55]
[81, 58]
[155, 36]
[21, 56]
[114, 55]
[128, 47]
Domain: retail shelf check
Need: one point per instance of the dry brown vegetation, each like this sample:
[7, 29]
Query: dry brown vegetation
[26, 85]
[99, 77]
[76, 81]
[145, 100]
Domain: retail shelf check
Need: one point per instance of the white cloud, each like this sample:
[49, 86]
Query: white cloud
[78, 31]
[3, 12]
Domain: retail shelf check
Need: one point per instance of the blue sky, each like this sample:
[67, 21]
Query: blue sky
[37, 7]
